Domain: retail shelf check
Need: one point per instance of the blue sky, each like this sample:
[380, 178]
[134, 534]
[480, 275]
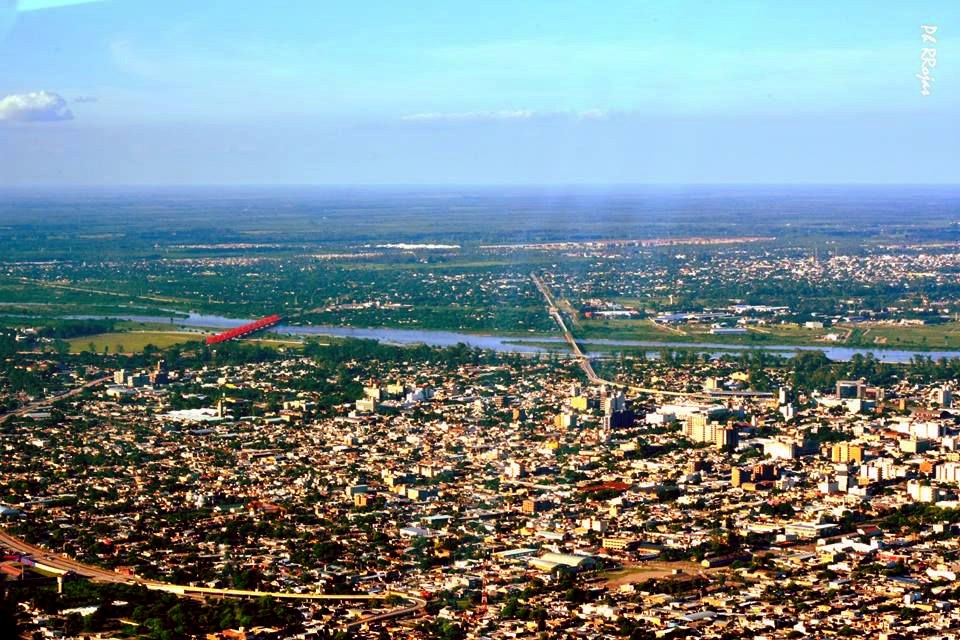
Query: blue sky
[525, 91]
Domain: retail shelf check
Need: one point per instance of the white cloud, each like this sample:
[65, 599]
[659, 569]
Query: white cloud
[37, 106]
[503, 115]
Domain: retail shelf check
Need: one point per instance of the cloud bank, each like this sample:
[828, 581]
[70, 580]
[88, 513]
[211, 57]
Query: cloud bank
[37, 106]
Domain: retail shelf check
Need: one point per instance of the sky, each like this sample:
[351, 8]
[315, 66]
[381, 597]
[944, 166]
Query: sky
[175, 92]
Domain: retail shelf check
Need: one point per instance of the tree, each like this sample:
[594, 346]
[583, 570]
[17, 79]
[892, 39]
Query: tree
[8, 613]
[73, 624]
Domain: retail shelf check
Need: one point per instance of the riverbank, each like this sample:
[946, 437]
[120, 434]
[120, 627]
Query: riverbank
[532, 344]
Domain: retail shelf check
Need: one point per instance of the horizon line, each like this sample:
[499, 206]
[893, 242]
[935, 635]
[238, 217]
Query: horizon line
[456, 185]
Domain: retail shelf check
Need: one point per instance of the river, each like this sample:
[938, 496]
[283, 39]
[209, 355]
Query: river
[518, 344]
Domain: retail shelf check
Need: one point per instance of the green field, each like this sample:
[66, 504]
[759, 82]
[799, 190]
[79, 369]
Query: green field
[877, 336]
[935, 336]
[646, 329]
[131, 342]
[136, 341]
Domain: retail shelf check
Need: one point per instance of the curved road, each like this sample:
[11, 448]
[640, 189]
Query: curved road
[98, 574]
[33, 406]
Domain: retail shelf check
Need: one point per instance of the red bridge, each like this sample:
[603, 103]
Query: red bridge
[245, 330]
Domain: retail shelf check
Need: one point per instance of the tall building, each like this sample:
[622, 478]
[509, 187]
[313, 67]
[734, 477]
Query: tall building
[531, 506]
[944, 397]
[565, 420]
[515, 470]
[699, 430]
[783, 449]
[618, 420]
[614, 403]
[762, 472]
[844, 452]
[948, 472]
[788, 412]
[783, 395]
[726, 438]
[921, 492]
[738, 476]
[850, 389]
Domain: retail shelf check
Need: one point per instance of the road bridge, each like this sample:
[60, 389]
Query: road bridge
[592, 376]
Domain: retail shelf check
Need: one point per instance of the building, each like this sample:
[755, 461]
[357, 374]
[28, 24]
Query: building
[914, 445]
[749, 478]
[614, 403]
[565, 420]
[783, 395]
[944, 397]
[765, 472]
[948, 472]
[844, 452]
[921, 492]
[850, 389]
[515, 470]
[619, 420]
[780, 449]
[531, 506]
[739, 476]
[366, 405]
[728, 331]
[699, 430]
[809, 530]
[551, 562]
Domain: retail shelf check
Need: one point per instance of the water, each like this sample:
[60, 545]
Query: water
[514, 344]
[388, 335]
[838, 354]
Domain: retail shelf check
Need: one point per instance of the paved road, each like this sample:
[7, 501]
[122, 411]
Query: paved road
[63, 563]
[105, 292]
[555, 314]
[595, 379]
[99, 574]
[33, 406]
[418, 605]
[583, 358]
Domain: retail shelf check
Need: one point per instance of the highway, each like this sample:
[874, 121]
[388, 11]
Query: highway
[418, 605]
[555, 314]
[585, 360]
[48, 560]
[33, 406]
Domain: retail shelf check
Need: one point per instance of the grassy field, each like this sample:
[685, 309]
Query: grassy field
[136, 341]
[935, 336]
[131, 341]
[638, 573]
[646, 329]
[868, 335]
